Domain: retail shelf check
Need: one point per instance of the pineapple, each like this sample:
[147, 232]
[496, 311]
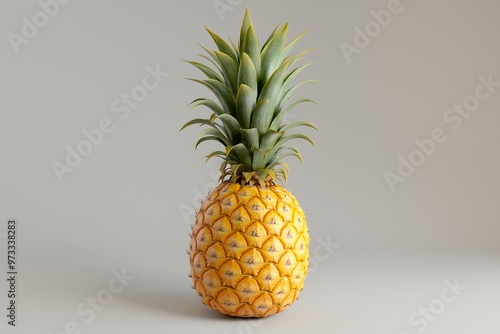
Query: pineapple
[249, 250]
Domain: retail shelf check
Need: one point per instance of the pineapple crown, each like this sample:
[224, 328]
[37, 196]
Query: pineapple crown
[252, 85]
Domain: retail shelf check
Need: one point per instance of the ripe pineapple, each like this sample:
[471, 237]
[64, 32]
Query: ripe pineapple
[249, 246]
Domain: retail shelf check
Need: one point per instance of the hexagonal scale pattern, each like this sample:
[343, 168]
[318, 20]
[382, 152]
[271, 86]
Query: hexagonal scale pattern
[249, 250]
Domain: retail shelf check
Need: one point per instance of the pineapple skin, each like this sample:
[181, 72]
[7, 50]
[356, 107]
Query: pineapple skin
[249, 250]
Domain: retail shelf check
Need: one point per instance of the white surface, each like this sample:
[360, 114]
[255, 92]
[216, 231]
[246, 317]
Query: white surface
[347, 294]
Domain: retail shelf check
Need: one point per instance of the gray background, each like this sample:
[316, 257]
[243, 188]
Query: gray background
[123, 206]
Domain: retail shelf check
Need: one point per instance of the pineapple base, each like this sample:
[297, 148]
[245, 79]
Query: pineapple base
[249, 250]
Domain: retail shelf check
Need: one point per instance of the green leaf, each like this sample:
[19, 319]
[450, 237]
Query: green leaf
[274, 155]
[245, 104]
[286, 84]
[232, 126]
[285, 166]
[201, 121]
[284, 139]
[278, 119]
[241, 152]
[213, 58]
[247, 176]
[247, 75]
[218, 154]
[270, 55]
[234, 172]
[290, 151]
[281, 157]
[279, 145]
[283, 174]
[223, 93]
[203, 139]
[252, 49]
[258, 159]
[263, 173]
[210, 73]
[269, 140]
[290, 45]
[295, 58]
[259, 116]
[290, 126]
[208, 103]
[290, 91]
[250, 138]
[271, 36]
[217, 134]
[235, 48]
[272, 90]
[247, 23]
[222, 45]
[229, 70]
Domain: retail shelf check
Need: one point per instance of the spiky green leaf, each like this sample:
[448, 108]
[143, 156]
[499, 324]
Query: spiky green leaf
[210, 73]
[242, 153]
[209, 104]
[222, 92]
[251, 48]
[278, 119]
[270, 55]
[245, 104]
[259, 116]
[247, 23]
[250, 138]
[222, 45]
[269, 140]
[290, 126]
[232, 126]
[247, 75]
[229, 69]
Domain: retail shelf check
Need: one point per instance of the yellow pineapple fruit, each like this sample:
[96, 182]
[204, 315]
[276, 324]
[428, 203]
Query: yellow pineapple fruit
[249, 247]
